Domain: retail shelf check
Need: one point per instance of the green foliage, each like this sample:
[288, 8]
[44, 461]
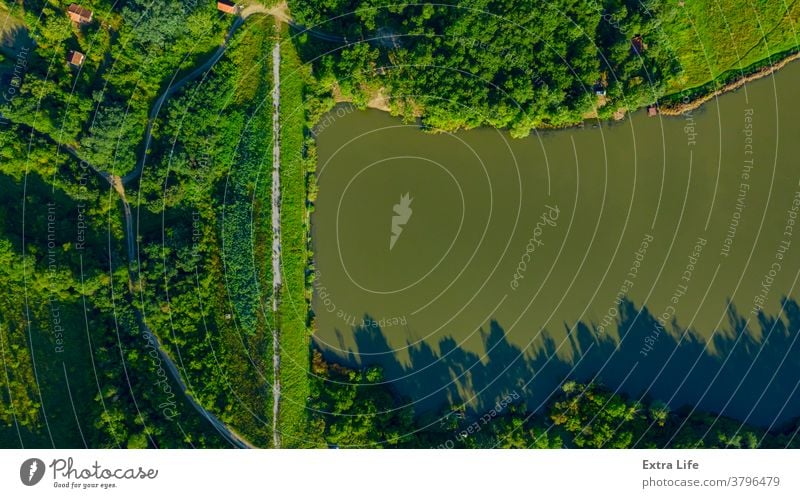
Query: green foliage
[19, 402]
[204, 205]
[524, 65]
[352, 408]
[130, 54]
[581, 416]
[295, 253]
[596, 419]
[715, 41]
[62, 307]
[156, 24]
[109, 129]
[70, 302]
[206, 233]
[500, 63]
[593, 417]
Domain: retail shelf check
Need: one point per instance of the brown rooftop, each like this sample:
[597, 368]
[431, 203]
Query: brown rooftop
[637, 44]
[79, 14]
[75, 58]
[226, 7]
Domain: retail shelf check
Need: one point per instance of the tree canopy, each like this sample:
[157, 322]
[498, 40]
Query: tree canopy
[502, 63]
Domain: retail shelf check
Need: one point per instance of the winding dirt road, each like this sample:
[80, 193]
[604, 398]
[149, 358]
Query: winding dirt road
[119, 183]
[280, 15]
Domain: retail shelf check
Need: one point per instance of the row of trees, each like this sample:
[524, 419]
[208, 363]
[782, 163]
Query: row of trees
[356, 408]
[502, 63]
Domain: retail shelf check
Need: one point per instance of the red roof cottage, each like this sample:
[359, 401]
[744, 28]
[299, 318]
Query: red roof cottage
[75, 58]
[226, 6]
[79, 14]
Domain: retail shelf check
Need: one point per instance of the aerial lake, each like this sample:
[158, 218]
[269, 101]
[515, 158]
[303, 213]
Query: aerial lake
[656, 255]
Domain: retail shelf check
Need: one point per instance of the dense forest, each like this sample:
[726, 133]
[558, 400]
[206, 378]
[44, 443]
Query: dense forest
[205, 232]
[527, 65]
[80, 368]
[71, 349]
[100, 108]
[76, 333]
[501, 63]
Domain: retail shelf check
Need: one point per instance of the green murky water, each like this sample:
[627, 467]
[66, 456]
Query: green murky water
[509, 272]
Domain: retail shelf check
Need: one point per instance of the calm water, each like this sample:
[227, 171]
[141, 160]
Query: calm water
[639, 253]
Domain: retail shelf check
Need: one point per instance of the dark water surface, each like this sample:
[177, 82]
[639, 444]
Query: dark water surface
[659, 255]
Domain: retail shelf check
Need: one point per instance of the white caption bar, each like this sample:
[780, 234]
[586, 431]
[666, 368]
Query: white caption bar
[400, 473]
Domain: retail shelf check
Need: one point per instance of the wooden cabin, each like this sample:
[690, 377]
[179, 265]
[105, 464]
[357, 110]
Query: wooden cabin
[75, 58]
[79, 14]
[226, 7]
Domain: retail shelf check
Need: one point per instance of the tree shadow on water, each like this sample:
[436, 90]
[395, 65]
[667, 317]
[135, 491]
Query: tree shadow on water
[749, 371]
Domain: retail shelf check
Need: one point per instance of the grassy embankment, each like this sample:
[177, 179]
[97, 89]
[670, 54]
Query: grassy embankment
[718, 42]
[294, 330]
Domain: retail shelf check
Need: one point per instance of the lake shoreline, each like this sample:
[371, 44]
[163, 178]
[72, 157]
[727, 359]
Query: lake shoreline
[380, 100]
[665, 185]
[696, 103]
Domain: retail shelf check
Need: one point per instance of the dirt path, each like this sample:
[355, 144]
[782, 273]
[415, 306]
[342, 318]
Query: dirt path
[277, 281]
[280, 13]
[118, 183]
[174, 86]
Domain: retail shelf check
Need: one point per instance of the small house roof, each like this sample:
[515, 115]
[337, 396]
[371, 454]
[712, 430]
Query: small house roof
[75, 58]
[226, 6]
[79, 14]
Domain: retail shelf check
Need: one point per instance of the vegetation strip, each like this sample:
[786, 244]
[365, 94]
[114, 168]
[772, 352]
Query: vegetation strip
[276, 239]
[683, 107]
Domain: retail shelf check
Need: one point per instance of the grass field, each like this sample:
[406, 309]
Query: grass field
[717, 41]
[251, 228]
[295, 335]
